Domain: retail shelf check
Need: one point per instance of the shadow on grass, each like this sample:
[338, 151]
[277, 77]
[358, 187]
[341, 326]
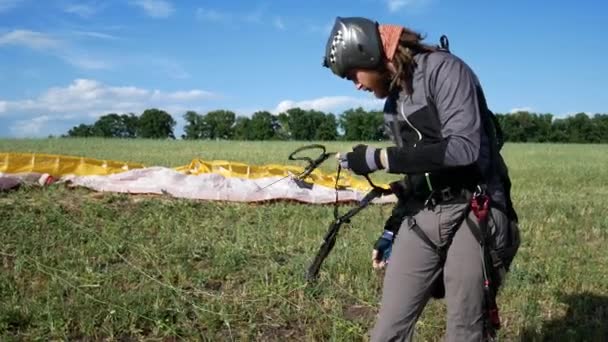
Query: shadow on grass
[586, 319]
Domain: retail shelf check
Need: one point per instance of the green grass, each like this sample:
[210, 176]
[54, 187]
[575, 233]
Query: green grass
[75, 264]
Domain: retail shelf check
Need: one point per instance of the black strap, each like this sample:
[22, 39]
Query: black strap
[336, 187]
[496, 135]
[480, 232]
[416, 228]
[442, 251]
[492, 128]
[477, 231]
[444, 43]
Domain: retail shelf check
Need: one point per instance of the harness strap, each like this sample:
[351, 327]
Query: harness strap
[339, 169]
[480, 205]
[441, 251]
[438, 288]
[480, 232]
[495, 260]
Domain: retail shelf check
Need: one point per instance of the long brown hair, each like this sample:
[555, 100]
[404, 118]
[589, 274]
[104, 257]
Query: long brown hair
[410, 44]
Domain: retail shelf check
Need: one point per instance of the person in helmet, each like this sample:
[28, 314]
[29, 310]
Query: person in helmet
[444, 241]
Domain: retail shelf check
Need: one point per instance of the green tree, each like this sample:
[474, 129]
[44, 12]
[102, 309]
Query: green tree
[544, 125]
[218, 124]
[108, 126]
[600, 128]
[116, 126]
[300, 126]
[282, 131]
[580, 128]
[194, 125]
[155, 124]
[242, 128]
[328, 128]
[81, 130]
[129, 125]
[263, 126]
[304, 124]
[359, 124]
[559, 131]
[522, 125]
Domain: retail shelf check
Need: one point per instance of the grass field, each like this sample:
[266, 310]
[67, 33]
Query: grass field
[79, 265]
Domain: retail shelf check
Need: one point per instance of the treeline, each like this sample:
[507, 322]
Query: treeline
[152, 123]
[532, 127]
[353, 125]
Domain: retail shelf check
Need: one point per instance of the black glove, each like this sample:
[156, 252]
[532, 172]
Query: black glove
[362, 160]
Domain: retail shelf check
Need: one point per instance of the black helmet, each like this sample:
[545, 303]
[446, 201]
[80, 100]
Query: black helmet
[353, 43]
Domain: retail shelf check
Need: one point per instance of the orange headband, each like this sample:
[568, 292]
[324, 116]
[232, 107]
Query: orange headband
[390, 35]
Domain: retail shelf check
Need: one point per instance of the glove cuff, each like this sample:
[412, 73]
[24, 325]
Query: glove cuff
[372, 158]
[388, 235]
[380, 158]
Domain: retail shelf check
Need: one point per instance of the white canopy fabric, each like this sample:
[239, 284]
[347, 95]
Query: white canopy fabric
[206, 186]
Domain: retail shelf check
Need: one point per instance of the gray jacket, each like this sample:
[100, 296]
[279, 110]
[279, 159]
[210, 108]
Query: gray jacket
[444, 127]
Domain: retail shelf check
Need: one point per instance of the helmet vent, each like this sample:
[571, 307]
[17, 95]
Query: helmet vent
[338, 39]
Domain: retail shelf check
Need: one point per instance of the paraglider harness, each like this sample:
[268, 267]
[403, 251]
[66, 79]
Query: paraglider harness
[479, 203]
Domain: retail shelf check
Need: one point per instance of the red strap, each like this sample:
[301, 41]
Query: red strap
[480, 206]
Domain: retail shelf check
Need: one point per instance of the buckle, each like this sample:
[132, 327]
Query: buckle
[446, 194]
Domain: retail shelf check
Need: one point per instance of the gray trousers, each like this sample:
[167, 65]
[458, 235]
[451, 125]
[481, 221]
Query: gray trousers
[414, 265]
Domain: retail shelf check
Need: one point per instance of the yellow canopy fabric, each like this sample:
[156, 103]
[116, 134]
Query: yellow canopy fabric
[61, 165]
[246, 171]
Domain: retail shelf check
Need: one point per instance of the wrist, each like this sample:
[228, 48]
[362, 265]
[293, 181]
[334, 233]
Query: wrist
[388, 235]
[383, 157]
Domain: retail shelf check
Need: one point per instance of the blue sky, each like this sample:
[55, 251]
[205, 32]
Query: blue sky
[65, 62]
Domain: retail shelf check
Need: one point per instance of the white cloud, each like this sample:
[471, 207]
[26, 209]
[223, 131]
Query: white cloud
[92, 34]
[520, 109]
[30, 39]
[278, 23]
[6, 5]
[58, 108]
[53, 46]
[90, 97]
[155, 8]
[85, 61]
[330, 103]
[31, 127]
[189, 95]
[69, 51]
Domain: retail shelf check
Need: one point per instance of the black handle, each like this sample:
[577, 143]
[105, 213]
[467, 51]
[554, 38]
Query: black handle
[312, 164]
[292, 156]
[330, 237]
